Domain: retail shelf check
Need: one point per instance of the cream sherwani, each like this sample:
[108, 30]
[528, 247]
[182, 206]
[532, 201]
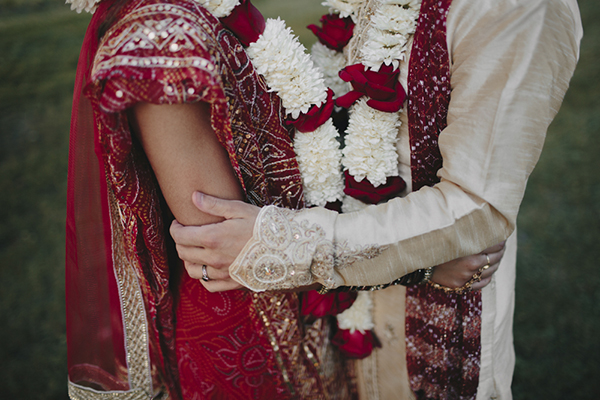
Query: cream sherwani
[511, 62]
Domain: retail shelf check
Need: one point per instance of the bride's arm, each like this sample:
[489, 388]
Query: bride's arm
[186, 155]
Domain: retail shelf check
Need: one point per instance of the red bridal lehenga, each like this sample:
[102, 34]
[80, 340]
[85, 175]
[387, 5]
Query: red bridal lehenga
[138, 326]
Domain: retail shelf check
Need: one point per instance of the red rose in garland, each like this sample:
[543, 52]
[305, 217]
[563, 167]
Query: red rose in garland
[355, 344]
[322, 305]
[316, 116]
[383, 87]
[367, 193]
[335, 33]
[245, 22]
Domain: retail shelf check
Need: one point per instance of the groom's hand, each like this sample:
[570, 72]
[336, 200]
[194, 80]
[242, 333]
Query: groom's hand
[457, 272]
[215, 245]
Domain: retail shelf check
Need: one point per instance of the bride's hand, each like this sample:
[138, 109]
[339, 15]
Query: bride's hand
[457, 272]
[215, 246]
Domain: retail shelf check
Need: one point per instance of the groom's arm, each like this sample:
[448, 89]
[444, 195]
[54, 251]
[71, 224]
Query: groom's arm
[508, 82]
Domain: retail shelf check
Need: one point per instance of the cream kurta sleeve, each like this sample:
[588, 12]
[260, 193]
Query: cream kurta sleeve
[511, 62]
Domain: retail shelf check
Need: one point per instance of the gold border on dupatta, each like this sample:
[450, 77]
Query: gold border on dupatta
[132, 302]
[135, 327]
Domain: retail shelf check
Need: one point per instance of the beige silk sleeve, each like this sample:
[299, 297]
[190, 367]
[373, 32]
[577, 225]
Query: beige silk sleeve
[511, 62]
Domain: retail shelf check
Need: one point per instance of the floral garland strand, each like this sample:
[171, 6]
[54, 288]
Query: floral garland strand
[344, 8]
[392, 24]
[330, 62]
[369, 158]
[289, 71]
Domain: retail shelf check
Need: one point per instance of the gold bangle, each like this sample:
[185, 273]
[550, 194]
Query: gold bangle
[459, 290]
[323, 290]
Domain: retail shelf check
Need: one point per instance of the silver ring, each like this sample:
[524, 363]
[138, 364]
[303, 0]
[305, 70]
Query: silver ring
[487, 259]
[205, 277]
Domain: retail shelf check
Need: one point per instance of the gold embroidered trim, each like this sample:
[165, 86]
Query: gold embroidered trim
[135, 327]
[284, 253]
[287, 251]
[180, 31]
[346, 255]
[77, 392]
[279, 326]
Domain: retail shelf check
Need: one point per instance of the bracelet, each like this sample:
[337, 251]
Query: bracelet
[323, 290]
[459, 290]
[415, 278]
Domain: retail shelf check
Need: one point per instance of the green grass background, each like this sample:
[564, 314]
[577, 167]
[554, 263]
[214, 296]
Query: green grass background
[557, 320]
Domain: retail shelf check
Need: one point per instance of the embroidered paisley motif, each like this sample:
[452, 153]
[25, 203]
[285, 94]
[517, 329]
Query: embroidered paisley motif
[288, 251]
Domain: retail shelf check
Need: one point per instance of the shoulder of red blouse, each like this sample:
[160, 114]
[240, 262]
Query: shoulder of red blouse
[162, 53]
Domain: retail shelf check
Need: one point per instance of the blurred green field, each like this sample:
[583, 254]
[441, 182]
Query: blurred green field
[557, 322]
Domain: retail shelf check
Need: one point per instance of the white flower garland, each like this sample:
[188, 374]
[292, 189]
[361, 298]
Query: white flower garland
[80, 5]
[345, 8]
[289, 71]
[318, 154]
[392, 24]
[330, 62]
[371, 138]
[219, 8]
[371, 135]
[365, 155]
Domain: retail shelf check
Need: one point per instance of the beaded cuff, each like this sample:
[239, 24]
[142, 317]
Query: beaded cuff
[284, 253]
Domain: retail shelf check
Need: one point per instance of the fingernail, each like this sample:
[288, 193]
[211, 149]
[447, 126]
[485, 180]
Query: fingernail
[198, 197]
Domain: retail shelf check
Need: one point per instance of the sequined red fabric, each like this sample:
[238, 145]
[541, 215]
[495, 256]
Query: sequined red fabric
[233, 345]
[442, 330]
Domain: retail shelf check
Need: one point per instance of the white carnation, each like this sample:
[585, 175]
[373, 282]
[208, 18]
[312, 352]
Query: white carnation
[330, 62]
[80, 5]
[383, 49]
[288, 69]
[370, 150]
[395, 20]
[414, 4]
[358, 317]
[392, 24]
[219, 8]
[318, 154]
[346, 8]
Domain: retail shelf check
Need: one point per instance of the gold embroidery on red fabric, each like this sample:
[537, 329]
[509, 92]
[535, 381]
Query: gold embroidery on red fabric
[132, 303]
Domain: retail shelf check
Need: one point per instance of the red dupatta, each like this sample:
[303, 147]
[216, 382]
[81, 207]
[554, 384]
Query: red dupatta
[94, 322]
